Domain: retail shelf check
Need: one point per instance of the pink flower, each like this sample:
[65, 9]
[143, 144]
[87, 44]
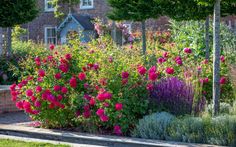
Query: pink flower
[187, 50]
[41, 73]
[165, 54]
[119, 106]
[64, 90]
[206, 80]
[51, 46]
[152, 76]
[38, 89]
[86, 108]
[86, 85]
[68, 56]
[150, 87]
[170, 70]
[103, 96]
[57, 76]
[117, 130]
[87, 97]
[100, 112]
[19, 105]
[96, 66]
[40, 79]
[37, 61]
[14, 93]
[82, 76]
[64, 68]
[161, 60]
[33, 98]
[222, 58]
[103, 81]
[29, 92]
[104, 118]
[37, 104]
[223, 80]
[12, 87]
[59, 97]
[125, 75]
[26, 105]
[92, 102]
[57, 88]
[153, 69]
[142, 70]
[87, 114]
[179, 62]
[73, 82]
[106, 104]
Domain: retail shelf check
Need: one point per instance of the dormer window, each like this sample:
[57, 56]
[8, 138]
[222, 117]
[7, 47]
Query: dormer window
[48, 6]
[86, 4]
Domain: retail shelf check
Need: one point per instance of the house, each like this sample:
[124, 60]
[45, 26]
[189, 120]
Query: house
[48, 29]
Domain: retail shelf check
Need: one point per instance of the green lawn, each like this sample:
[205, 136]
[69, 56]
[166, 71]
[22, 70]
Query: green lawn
[14, 143]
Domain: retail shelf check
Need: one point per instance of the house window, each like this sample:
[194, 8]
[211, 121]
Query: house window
[49, 6]
[86, 4]
[50, 35]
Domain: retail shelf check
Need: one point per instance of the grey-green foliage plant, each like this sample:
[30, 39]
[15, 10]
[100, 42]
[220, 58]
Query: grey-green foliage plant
[219, 130]
[154, 126]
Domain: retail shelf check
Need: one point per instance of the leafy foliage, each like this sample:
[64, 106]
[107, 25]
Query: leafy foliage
[15, 12]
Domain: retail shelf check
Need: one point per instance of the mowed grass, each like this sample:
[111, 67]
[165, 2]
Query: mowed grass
[15, 143]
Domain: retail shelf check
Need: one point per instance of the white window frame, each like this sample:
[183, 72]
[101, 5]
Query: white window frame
[45, 34]
[46, 6]
[86, 7]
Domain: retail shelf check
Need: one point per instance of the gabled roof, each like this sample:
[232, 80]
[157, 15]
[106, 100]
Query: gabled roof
[83, 20]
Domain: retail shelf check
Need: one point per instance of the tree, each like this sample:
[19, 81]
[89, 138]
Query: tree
[135, 10]
[16, 12]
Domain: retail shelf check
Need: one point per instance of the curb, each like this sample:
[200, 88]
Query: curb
[83, 138]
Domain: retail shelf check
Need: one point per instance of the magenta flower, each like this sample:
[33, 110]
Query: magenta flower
[119, 106]
[153, 69]
[29, 92]
[165, 54]
[64, 90]
[103, 96]
[37, 104]
[117, 130]
[82, 76]
[51, 46]
[73, 82]
[187, 50]
[104, 118]
[142, 70]
[41, 73]
[170, 70]
[57, 76]
[161, 60]
[68, 56]
[152, 76]
[125, 75]
[100, 112]
[223, 80]
[222, 58]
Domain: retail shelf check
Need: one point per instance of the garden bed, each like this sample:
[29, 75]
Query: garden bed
[6, 104]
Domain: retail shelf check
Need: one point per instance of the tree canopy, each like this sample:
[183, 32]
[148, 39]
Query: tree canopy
[15, 12]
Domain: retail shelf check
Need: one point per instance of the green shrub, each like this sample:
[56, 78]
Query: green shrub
[154, 126]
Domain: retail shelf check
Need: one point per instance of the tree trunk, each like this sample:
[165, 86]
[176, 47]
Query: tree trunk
[144, 46]
[216, 58]
[207, 37]
[1, 41]
[9, 32]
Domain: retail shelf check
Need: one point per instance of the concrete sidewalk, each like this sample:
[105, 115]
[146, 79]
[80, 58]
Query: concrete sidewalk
[19, 125]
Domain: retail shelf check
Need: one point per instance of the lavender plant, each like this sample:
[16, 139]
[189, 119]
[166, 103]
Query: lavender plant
[173, 95]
